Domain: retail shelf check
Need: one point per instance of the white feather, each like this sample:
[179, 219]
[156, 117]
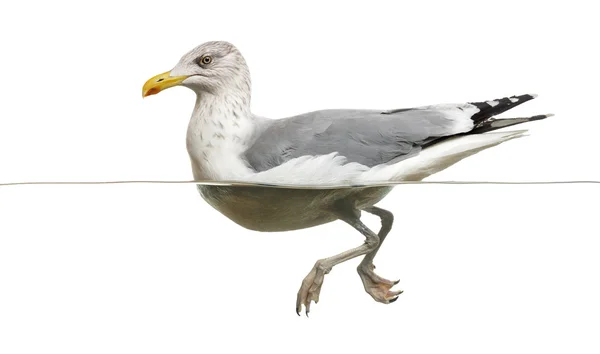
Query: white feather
[440, 156]
[324, 169]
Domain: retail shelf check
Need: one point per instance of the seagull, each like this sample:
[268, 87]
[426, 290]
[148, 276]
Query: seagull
[227, 142]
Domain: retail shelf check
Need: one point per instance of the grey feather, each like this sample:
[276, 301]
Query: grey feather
[367, 137]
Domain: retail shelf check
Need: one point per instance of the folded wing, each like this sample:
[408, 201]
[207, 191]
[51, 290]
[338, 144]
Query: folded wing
[371, 138]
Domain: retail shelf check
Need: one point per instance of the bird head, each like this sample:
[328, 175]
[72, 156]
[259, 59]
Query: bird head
[211, 67]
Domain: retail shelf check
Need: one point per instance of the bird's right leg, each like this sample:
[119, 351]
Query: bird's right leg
[379, 288]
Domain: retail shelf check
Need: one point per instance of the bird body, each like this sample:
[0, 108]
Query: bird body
[225, 141]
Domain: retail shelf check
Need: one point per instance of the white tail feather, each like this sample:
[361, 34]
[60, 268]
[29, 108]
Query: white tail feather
[440, 156]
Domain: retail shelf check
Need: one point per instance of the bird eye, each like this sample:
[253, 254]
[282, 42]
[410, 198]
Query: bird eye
[206, 59]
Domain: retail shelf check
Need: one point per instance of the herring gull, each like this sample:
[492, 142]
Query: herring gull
[226, 141]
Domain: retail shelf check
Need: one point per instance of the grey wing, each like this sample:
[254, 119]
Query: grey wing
[366, 137]
[373, 137]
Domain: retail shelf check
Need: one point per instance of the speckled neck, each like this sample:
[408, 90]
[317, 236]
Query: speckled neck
[219, 131]
[218, 120]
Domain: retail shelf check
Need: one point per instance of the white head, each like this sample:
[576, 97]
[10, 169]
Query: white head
[216, 68]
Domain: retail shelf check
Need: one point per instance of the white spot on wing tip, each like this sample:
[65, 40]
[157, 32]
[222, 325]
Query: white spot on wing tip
[493, 103]
[549, 115]
[533, 95]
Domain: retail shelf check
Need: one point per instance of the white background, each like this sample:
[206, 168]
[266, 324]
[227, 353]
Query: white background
[153, 269]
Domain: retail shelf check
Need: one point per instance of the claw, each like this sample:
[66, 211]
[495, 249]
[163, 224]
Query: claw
[378, 287]
[396, 293]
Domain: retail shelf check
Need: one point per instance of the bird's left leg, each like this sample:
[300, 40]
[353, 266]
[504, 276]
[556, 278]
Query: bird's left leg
[311, 285]
[379, 288]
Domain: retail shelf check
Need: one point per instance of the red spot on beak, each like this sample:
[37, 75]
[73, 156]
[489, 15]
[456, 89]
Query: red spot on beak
[152, 91]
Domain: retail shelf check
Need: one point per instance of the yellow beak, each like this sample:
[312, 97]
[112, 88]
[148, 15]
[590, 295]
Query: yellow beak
[161, 82]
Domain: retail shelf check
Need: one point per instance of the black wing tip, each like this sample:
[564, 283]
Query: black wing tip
[542, 116]
[496, 104]
[488, 109]
[495, 124]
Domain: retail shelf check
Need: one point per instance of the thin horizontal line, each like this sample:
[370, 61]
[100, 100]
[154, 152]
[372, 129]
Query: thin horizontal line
[299, 186]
